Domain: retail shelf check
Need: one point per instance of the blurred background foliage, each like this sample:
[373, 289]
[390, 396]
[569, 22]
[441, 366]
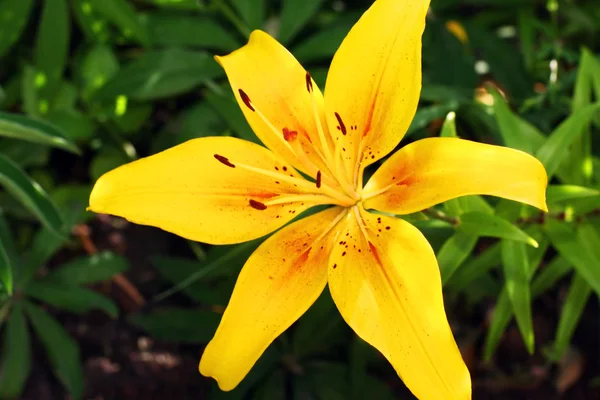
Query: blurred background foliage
[93, 307]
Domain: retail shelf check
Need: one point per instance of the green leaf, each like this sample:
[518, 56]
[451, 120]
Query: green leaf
[8, 255]
[319, 329]
[161, 73]
[475, 267]
[323, 44]
[579, 247]
[481, 224]
[35, 131]
[178, 325]
[70, 297]
[94, 25]
[517, 275]
[51, 50]
[252, 11]
[98, 66]
[454, 252]
[30, 194]
[14, 15]
[89, 269]
[187, 275]
[76, 125]
[196, 31]
[547, 278]
[449, 127]
[16, 355]
[560, 193]
[62, 350]
[465, 204]
[294, 15]
[516, 132]
[573, 306]
[554, 150]
[122, 14]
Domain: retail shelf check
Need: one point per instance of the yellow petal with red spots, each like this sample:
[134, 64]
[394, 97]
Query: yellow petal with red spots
[384, 279]
[217, 190]
[434, 170]
[281, 102]
[374, 81]
[279, 282]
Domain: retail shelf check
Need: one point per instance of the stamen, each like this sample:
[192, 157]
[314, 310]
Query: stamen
[318, 179]
[302, 184]
[341, 125]
[313, 198]
[224, 160]
[246, 99]
[309, 85]
[257, 205]
[369, 195]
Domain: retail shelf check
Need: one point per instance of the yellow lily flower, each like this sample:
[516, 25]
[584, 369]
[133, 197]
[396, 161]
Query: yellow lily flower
[381, 271]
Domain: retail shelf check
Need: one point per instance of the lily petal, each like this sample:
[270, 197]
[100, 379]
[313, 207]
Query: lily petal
[279, 282]
[374, 81]
[276, 95]
[384, 279]
[434, 170]
[217, 190]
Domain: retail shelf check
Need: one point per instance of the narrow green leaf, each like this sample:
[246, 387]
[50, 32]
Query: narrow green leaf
[560, 193]
[33, 197]
[516, 272]
[516, 132]
[98, 66]
[180, 30]
[16, 355]
[186, 275]
[475, 268]
[580, 248]
[89, 269]
[8, 255]
[476, 223]
[14, 15]
[51, 50]
[252, 11]
[547, 277]
[294, 15]
[122, 14]
[61, 348]
[178, 325]
[453, 252]
[554, 150]
[573, 306]
[35, 131]
[449, 127]
[161, 73]
[70, 297]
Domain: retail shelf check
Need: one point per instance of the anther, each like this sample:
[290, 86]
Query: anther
[246, 99]
[309, 85]
[257, 205]
[224, 160]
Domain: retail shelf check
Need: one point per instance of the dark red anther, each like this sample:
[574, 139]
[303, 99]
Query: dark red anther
[224, 160]
[318, 179]
[341, 126]
[246, 99]
[257, 205]
[309, 85]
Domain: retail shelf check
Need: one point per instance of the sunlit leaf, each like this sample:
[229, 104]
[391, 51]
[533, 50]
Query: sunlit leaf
[481, 224]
